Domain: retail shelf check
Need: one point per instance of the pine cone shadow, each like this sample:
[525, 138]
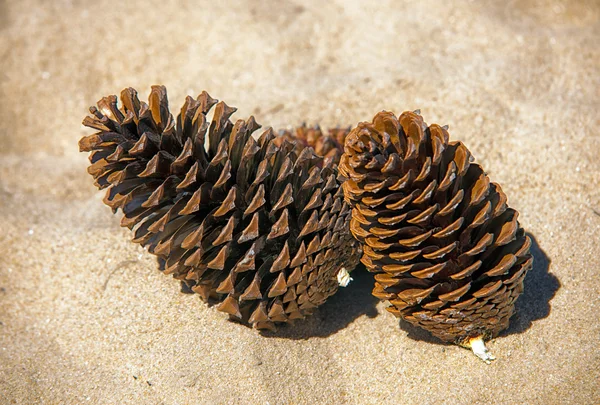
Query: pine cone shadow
[339, 311]
[540, 287]
[532, 305]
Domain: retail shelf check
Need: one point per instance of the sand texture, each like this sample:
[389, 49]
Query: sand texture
[86, 317]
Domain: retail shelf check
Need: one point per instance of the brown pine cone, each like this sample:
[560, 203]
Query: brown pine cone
[451, 256]
[255, 226]
[329, 145]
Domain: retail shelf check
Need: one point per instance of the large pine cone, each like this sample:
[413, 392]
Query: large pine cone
[257, 227]
[451, 255]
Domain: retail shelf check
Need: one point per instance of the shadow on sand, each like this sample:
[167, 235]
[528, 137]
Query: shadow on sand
[356, 300]
[338, 312]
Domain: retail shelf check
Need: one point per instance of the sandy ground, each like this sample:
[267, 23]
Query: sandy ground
[85, 317]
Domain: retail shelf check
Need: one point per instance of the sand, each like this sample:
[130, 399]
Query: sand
[85, 317]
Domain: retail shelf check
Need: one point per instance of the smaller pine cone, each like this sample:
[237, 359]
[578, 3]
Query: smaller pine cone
[330, 145]
[451, 256]
[253, 225]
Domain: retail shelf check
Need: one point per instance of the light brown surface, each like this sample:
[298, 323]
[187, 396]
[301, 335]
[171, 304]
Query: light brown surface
[87, 318]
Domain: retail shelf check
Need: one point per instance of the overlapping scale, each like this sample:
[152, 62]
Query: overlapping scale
[259, 226]
[450, 254]
[330, 145]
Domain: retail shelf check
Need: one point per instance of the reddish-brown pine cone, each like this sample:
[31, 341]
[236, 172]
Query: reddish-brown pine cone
[330, 145]
[451, 256]
[257, 227]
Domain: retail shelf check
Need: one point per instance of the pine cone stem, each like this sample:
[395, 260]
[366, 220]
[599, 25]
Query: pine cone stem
[477, 346]
[343, 277]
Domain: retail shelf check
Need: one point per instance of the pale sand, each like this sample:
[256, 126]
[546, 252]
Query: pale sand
[85, 315]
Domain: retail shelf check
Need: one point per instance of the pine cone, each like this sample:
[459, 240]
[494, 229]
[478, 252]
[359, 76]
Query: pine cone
[451, 256]
[329, 145]
[255, 226]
